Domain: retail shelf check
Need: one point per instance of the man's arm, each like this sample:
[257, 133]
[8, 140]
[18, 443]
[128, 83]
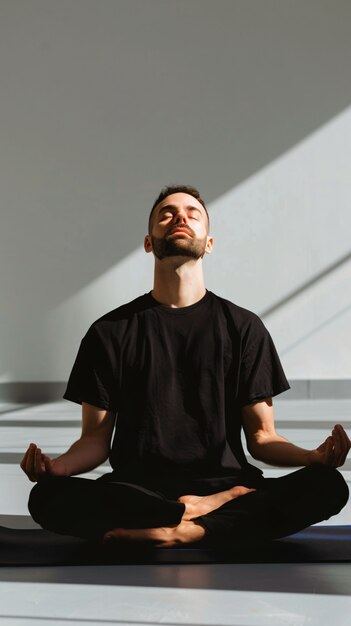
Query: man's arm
[264, 443]
[88, 452]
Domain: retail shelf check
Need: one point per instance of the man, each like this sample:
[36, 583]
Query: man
[184, 370]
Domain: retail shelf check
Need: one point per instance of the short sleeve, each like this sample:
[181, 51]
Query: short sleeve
[261, 372]
[91, 379]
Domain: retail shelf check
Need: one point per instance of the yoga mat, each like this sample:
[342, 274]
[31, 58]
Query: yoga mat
[28, 546]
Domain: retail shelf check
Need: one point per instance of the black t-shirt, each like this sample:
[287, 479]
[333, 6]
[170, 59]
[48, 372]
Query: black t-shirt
[177, 379]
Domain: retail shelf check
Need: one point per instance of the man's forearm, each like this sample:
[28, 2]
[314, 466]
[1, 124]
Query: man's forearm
[281, 452]
[84, 455]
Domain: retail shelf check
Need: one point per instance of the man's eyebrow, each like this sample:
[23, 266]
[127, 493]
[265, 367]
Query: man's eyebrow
[172, 206]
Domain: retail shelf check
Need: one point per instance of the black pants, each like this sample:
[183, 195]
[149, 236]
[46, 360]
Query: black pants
[279, 506]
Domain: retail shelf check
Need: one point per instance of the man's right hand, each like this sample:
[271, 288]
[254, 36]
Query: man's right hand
[36, 464]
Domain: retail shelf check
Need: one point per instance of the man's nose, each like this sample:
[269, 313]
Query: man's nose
[181, 217]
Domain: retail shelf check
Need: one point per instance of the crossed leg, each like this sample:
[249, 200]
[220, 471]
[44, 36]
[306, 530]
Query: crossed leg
[189, 530]
[95, 510]
[276, 508]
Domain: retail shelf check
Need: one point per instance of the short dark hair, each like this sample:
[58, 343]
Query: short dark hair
[168, 190]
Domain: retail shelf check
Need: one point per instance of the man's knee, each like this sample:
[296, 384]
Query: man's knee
[340, 490]
[41, 500]
[332, 485]
[36, 502]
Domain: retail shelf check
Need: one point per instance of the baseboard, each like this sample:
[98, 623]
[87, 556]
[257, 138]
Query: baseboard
[33, 392]
[318, 389]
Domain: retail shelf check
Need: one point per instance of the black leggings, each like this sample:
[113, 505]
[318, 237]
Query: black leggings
[279, 506]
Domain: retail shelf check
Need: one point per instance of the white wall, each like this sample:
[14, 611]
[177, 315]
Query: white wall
[105, 102]
[284, 251]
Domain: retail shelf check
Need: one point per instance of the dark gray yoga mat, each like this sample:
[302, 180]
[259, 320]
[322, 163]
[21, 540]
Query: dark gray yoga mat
[28, 546]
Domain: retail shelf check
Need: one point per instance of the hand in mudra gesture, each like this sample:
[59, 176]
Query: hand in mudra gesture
[334, 450]
[36, 464]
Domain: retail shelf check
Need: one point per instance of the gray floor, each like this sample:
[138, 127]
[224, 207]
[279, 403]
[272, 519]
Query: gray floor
[213, 594]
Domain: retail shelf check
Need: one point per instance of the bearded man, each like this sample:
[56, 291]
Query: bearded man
[171, 379]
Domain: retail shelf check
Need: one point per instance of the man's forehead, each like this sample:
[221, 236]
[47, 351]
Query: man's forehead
[181, 198]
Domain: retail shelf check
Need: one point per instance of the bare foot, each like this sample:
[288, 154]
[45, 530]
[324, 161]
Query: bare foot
[200, 505]
[162, 537]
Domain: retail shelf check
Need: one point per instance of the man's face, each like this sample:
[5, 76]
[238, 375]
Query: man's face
[179, 228]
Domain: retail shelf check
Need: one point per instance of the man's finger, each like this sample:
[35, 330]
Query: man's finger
[30, 468]
[23, 463]
[324, 446]
[342, 429]
[342, 460]
[337, 444]
[39, 465]
[342, 446]
[329, 451]
[338, 448]
[346, 443]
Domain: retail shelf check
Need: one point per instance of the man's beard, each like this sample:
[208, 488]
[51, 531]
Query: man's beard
[168, 247]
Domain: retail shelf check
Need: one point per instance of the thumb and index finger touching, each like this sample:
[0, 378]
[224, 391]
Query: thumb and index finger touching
[335, 447]
[34, 462]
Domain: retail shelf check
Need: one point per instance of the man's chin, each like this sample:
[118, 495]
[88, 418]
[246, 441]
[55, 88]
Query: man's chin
[184, 247]
[181, 247]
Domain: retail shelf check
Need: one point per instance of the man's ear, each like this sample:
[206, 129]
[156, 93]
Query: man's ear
[147, 243]
[209, 245]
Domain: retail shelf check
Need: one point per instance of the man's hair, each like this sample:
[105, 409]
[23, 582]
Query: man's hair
[168, 190]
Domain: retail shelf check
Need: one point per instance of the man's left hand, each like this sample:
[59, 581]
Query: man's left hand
[334, 450]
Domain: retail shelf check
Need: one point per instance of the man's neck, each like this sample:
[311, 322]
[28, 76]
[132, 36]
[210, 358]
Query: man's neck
[178, 284]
